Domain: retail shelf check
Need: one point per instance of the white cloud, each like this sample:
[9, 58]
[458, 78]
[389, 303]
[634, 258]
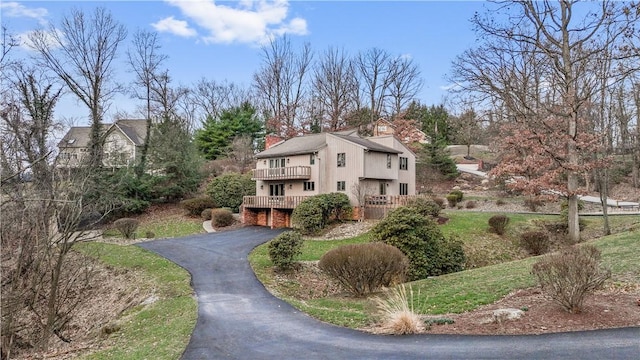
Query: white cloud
[247, 22]
[15, 9]
[49, 38]
[452, 86]
[176, 27]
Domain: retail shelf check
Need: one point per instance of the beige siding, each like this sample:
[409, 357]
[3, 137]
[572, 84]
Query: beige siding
[351, 173]
[118, 150]
[375, 166]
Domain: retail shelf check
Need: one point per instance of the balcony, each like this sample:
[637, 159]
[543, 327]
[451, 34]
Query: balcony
[282, 173]
[276, 202]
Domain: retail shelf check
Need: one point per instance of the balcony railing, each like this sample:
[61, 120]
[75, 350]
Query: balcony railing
[282, 173]
[277, 202]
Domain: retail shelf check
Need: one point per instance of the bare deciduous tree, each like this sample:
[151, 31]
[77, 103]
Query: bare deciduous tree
[81, 53]
[145, 60]
[41, 288]
[281, 85]
[536, 63]
[335, 88]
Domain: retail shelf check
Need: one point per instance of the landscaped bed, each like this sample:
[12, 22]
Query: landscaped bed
[465, 301]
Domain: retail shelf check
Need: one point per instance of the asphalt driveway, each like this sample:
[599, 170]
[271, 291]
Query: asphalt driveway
[239, 319]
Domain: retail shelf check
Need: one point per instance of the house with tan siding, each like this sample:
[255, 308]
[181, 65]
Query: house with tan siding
[122, 143]
[289, 171]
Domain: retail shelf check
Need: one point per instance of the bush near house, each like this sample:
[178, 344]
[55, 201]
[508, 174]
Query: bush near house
[227, 190]
[420, 239]
[425, 206]
[221, 217]
[284, 249]
[365, 268]
[315, 213]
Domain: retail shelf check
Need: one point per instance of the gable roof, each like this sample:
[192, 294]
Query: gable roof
[296, 146]
[311, 143]
[78, 136]
[134, 129]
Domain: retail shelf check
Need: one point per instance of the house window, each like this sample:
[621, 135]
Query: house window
[309, 186]
[404, 189]
[276, 163]
[388, 161]
[342, 160]
[383, 188]
[312, 159]
[276, 190]
[341, 186]
[404, 163]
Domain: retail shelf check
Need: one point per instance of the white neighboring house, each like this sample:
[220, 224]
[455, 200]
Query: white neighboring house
[122, 143]
[289, 171]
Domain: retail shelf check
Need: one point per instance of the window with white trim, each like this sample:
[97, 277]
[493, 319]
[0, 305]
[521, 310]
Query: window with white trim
[404, 189]
[341, 186]
[342, 160]
[309, 186]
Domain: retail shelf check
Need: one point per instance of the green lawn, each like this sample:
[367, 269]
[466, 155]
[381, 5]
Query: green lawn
[157, 331]
[169, 227]
[462, 291]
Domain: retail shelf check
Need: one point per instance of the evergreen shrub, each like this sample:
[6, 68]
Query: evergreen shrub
[284, 249]
[421, 240]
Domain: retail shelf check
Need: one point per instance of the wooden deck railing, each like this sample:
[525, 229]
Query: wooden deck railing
[282, 173]
[276, 202]
[388, 201]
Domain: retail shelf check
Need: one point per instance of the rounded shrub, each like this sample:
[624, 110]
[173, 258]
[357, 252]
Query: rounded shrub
[308, 217]
[458, 194]
[365, 268]
[421, 240]
[439, 201]
[206, 214]
[314, 213]
[284, 249]
[196, 206]
[221, 217]
[470, 204]
[498, 224]
[452, 200]
[127, 227]
[535, 242]
[424, 206]
[227, 190]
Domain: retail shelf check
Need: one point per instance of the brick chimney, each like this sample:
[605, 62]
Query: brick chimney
[270, 140]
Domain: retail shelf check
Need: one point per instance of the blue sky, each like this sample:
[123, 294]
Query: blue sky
[221, 40]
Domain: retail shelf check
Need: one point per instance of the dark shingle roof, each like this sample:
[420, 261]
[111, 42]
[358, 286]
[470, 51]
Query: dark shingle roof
[134, 129]
[78, 136]
[311, 143]
[368, 144]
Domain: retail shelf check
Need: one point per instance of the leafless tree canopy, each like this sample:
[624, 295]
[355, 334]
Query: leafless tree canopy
[281, 84]
[335, 88]
[81, 53]
[536, 60]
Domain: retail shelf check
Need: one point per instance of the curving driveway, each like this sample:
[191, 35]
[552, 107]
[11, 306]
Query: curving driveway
[239, 319]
